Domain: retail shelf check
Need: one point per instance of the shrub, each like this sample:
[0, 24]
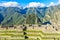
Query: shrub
[26, 37]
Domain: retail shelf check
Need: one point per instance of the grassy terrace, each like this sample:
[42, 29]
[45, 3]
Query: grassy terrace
[32, 35]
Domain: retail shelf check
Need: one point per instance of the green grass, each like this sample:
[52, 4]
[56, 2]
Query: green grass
[42, 35]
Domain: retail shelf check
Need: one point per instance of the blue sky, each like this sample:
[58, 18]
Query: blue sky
[25, 2]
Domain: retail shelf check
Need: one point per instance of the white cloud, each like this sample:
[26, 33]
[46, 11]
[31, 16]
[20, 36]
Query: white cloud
[9, 4]
[51, 4]
[35, 4]
[31, 4]
[58, 1]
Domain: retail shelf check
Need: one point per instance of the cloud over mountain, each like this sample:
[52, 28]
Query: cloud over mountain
[9, 4]
[35, 4]
[58, 1]
[31, 4]
[51, 4]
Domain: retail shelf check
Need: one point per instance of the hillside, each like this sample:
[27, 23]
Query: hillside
[31, 15]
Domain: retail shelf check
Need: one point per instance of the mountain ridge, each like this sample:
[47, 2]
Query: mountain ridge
[31, 15]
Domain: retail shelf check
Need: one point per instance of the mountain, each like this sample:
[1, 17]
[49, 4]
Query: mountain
[31, 15]
[10, 15]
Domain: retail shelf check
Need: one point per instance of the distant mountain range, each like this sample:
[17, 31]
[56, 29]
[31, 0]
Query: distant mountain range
[32, 15]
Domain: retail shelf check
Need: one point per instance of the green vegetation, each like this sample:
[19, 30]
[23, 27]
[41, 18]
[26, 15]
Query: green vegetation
[15, 16]
[18, 35]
